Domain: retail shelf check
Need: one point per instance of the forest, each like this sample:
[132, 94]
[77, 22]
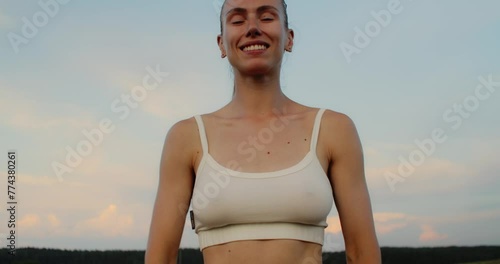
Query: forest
[390, 255]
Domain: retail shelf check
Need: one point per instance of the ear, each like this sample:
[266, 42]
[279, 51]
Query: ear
[290, 36]
[220, 43]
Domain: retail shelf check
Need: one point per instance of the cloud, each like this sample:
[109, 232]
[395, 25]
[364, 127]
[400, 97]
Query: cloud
[388, 222]
[29, 119]
[32, 113]
[29, 221]
[387, 217]
[39, 225]
[31, 180]
[434, 175]
[454, 219]
[28, 179]
[53, 220]
[444, 170]
[385, 222]
[65, 209]
[391, 222]
[97, 168]
[108, 223]
[429, 234]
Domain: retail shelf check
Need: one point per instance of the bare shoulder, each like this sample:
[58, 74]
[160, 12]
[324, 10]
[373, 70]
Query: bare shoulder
[337, 123]
[340, 133]
[183, 128]
[182, 139]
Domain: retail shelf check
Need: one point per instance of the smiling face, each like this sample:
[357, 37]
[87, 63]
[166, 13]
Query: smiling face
[254, 35]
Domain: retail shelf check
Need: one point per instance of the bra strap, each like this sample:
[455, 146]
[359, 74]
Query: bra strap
[203, 135]
[315, 132]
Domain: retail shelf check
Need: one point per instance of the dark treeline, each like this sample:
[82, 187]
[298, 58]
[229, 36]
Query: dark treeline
[390, 255]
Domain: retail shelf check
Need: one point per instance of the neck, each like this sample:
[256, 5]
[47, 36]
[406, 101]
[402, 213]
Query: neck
[258, 95]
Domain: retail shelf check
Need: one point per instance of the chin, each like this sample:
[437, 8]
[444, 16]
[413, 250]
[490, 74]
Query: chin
[257, 69]
[257, 72]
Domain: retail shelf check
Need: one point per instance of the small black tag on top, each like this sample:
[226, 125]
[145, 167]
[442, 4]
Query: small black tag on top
[191, 216]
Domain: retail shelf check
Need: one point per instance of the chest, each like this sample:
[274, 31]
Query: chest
[259, 147]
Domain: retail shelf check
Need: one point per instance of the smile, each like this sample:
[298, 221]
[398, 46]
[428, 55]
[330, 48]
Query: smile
[255, 47]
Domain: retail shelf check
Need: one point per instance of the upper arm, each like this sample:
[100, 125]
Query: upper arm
[173, 195]
[347, 177]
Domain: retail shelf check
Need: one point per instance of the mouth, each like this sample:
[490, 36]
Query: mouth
[255, 47]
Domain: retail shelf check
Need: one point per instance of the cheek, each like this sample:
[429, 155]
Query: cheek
[226, 43]
[279, 33]
[229, 39]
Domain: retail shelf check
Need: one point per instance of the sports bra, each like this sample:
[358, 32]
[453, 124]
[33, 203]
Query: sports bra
[291, 203]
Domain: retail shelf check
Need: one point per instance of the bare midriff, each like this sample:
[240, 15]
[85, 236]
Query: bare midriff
[279, 251]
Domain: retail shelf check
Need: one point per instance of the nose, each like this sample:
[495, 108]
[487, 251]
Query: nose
[253, 29]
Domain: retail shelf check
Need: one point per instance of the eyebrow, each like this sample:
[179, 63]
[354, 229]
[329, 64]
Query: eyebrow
[260, 9]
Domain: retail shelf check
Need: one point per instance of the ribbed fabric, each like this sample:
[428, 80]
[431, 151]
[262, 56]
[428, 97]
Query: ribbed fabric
[291, 203]
[237, 232]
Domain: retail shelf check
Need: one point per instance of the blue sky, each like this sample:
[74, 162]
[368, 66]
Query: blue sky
[428, 60]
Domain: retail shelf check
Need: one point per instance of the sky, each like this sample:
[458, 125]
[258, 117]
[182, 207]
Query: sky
[420, 79]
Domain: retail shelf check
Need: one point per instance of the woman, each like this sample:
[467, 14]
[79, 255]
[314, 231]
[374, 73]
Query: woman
[262, 172]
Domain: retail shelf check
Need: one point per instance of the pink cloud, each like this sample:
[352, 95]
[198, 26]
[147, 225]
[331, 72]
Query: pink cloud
[388, 222]
[429, 234]
[385, 223]
[29, 221]
[386, 217]
[108, 223]
[39, 225]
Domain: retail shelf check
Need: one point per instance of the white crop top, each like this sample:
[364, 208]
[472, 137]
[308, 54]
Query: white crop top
[291, 203]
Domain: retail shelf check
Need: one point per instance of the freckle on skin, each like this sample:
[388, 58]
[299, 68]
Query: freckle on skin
[305, 139]
[268, 152]
[288, 142]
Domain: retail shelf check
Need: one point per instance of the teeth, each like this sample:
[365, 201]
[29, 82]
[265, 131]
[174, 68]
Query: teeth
[255, 47]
